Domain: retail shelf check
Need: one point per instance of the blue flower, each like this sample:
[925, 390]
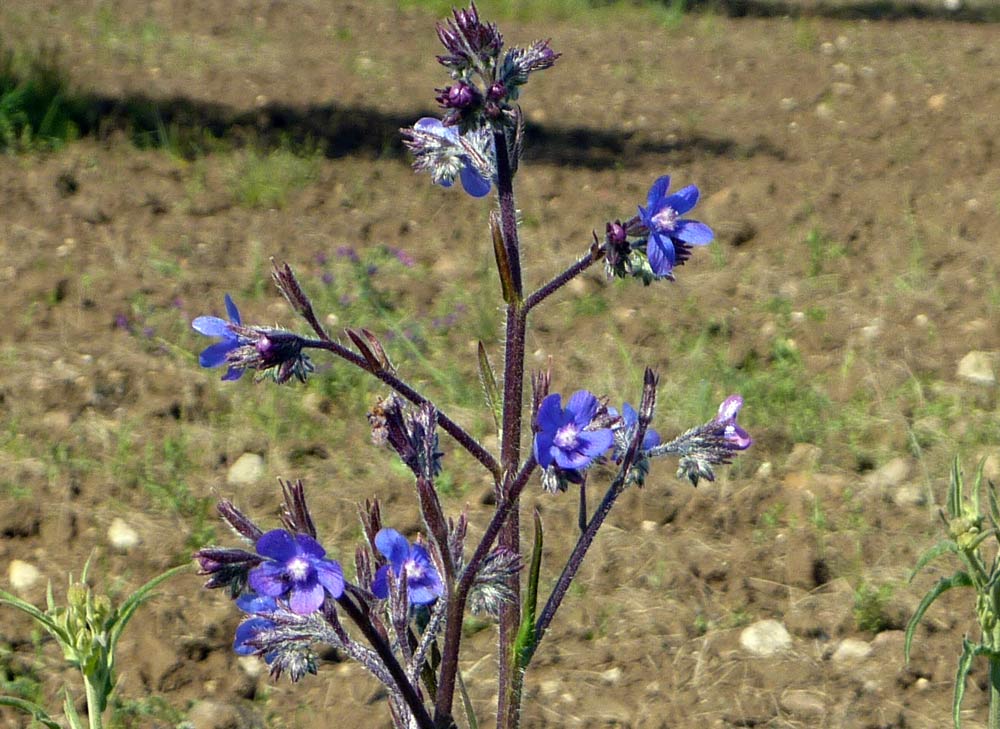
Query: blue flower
[247, 631]
[295, 570]
[562, 438]
[439, 149]
[423, 584]
[630, 419]
[216, 354]
[670, 237]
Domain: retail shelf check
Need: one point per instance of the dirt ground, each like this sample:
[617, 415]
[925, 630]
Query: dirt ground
[849, 166]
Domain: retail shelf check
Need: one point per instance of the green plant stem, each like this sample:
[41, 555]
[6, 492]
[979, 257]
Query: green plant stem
[93, 702]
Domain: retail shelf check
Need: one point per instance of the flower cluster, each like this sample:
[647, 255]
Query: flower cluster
[650, 245]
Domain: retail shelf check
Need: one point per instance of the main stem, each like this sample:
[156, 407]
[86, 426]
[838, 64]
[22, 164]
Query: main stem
[509, 678]
[93, 704]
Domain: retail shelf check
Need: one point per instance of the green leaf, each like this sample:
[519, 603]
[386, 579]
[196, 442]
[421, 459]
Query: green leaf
[29, 707]
[470, 712]
[524, 645]
[955, 490]
[991, 495]
[943, 547]
[969, 652]
[69, 709]
[127, 609]
[488, 378]
[44, 619]
[959, 579]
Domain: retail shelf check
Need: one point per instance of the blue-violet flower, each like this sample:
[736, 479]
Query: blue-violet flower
[445, 153]
[629, 421]
[670, 237]
[247, 631]
[423, 584]
[295, 570]
[562, 437]
[216, 354]
[736, 438]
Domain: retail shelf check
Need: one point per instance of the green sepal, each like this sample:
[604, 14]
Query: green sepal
[488, 378]
[30, 707]
[959, 579]
[524, 644]
[955, 489]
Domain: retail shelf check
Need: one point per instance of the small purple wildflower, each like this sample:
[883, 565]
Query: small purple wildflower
[327, 278]
[562, 437]
[423, 584]
[348, 253]
[217, 354]
[295, 568]
[670, 237]
[737, 438]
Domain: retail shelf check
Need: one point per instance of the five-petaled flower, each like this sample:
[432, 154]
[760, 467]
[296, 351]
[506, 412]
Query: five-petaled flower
[670, 237]
[736, 438]
[295, 570]
[218, 353]
[562, 437]
[423, 584]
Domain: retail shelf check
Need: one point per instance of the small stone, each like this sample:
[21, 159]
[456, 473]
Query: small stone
[798, 317]
[921, 684]
[867, 72]
[246, 470]
[851, 649]
[887, 102]
[921, 320]
[910, 495]
[207, 714]
[978, 368]
[648, 526]
[22, 575]
[765, 470]
[952, 5]
[842, 42]
[804, 457]
[765, 638]
[121, 536]
[803, 703]
[827, 48]
[937, 102]
[891, 474]
[824, 110]
[842, 71]
[842, 88]
[612, 675]
[789, 104]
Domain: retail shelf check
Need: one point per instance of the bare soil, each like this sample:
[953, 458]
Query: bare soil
[850, 168]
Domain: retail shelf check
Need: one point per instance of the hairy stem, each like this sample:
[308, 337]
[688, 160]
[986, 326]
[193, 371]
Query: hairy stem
[456, 431]
[410, 695]
[563, 278]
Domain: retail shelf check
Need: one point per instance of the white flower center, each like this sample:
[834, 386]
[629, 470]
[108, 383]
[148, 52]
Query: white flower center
[666, 219]
[566, 437]
[414, 570]
[297, 568]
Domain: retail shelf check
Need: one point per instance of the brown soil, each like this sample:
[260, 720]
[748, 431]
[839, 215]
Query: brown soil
[849, 167]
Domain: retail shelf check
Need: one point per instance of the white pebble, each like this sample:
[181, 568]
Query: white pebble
[122, 536]
[22, 575]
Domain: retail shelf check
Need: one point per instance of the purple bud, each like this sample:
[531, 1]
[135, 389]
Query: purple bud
[496, 92]
[459, 96]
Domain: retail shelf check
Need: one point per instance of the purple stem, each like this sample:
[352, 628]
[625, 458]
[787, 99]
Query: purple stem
[586, 539]
[563, 278]
[452, 428]
[410, 695]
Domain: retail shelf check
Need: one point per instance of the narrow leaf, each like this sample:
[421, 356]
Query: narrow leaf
[470, 712]
[991, 494]
[942, 547]
[127, 609]
[955, 490]
[507, 287]
[69, 709]
[29, 707]
[44, 619]
[488, 378]
[524, 646]
[969, 652]
[959, 579]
